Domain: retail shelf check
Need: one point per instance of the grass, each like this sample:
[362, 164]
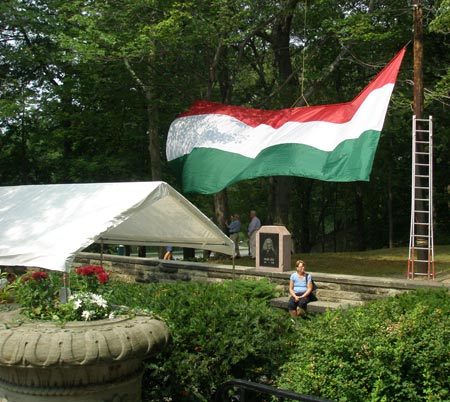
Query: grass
[383, 262]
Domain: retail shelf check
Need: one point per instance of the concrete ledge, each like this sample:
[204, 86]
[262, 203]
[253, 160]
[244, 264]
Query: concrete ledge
[319, 306]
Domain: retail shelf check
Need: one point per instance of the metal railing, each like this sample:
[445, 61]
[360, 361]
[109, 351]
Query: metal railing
[238, 390]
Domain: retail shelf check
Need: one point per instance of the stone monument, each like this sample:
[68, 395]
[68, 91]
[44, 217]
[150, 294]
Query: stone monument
[273, 249]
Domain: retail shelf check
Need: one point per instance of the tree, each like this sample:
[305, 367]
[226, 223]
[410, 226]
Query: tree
[89, 90]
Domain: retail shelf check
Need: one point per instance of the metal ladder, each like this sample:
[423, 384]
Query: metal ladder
[421, 247]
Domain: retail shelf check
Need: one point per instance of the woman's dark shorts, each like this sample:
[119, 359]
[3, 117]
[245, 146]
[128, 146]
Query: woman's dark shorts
[302, 303]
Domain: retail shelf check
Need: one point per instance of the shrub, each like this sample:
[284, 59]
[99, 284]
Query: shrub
[220, 331]
[35, 292]
[395, 349]
[5, 287]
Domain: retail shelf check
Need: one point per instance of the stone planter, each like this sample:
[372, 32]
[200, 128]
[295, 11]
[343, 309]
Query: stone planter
[89, 361]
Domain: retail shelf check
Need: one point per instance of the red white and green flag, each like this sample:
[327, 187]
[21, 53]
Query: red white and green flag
[214, 145]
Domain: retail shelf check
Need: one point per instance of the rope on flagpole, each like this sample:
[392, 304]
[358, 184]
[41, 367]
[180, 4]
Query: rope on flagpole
[303, 53]
[302, 78]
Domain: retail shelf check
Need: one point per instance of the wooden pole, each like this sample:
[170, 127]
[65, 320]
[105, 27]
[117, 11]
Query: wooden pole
[420, 267]
[418, 59]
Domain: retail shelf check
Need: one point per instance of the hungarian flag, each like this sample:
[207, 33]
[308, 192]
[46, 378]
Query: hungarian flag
[214, 145]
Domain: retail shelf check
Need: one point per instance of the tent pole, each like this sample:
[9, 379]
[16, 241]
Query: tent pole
[64, 292]
[234, 266]
[234, 274]
[101, 251]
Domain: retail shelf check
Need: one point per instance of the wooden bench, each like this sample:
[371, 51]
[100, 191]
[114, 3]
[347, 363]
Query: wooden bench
[319, 306]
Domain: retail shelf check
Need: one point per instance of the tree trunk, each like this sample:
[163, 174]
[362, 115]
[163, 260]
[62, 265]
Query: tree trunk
[152, 118]
[360, 225]
[305, 233]
[281, 186]
[221, 208]
[335, 224]
[153, 139]
[302, 213]
[390, 210]
[279, 196]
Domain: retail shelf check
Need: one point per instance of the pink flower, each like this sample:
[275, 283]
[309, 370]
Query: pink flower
[90, 270]
[97, 269]
[39, 275]
[103, 277]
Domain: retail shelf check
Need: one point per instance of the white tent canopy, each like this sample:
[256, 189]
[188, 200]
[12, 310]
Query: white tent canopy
[47, 225]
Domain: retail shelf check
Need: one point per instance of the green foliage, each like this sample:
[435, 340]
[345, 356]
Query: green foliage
[220, 331]
[6, 288]
[85, 83]
[394, 349]
[442, 21]
[37, 295]
[91, 278]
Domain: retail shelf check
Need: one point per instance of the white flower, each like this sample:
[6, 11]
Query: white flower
[77, 304]
[92, 306]
[86, 315]
[99, 300]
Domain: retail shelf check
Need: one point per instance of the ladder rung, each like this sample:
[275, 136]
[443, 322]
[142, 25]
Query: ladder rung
[421, 187]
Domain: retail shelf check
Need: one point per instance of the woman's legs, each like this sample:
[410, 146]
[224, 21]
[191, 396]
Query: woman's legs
[300, 311]
[297, 309]
[293, 313]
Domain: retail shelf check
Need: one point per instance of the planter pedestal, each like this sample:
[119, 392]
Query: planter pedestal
[91, 361]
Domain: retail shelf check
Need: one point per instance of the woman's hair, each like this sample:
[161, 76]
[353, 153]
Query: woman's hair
[298, 262]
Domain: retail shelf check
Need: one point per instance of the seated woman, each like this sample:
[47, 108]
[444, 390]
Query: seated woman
[300, 288]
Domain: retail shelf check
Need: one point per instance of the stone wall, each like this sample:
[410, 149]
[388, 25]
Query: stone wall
[345, 288]
[147, 270]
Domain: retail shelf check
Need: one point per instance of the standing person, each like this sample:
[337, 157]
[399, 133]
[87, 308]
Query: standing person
[300, 288]
[253, 227]
[234, 228]
[168, 255]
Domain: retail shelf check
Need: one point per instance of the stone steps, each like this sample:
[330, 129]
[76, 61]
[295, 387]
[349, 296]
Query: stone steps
[345, 295]
[333, 295]
[319, 306]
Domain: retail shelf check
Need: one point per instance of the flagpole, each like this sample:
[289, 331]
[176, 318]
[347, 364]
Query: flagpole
[418, 106]
[418, 59]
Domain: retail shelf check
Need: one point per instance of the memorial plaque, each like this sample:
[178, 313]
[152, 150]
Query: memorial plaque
[268, 250]
[273, 249]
